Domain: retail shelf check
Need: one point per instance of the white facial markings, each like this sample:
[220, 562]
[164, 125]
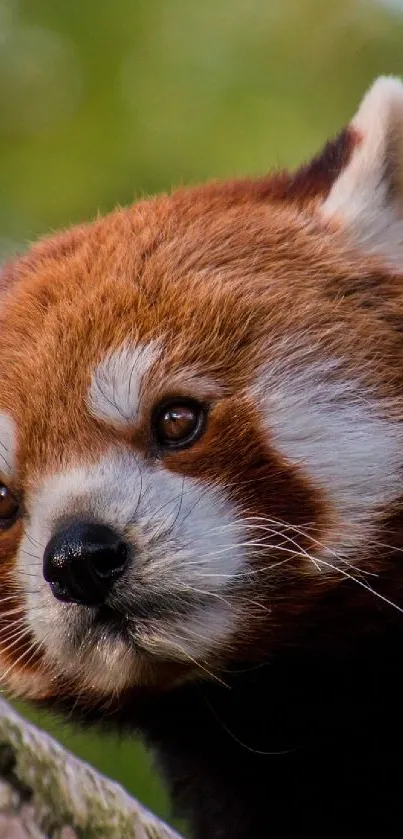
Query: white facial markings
[332, 429]
[115, 390]
[206, 631]
[8, 445]
[117, 383]
[185, 542]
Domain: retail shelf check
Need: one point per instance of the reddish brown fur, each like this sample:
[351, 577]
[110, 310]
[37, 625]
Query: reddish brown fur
[291, 709]
[225, 263]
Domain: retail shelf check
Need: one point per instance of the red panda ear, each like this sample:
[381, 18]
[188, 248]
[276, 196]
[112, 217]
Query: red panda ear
[367, 196]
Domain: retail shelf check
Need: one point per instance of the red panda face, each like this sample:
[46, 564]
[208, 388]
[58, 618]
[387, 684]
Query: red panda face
[199, 432]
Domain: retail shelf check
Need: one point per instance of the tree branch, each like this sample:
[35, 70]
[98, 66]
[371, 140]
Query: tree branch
[47, 793]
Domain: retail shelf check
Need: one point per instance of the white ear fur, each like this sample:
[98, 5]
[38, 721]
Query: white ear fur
[367, 197]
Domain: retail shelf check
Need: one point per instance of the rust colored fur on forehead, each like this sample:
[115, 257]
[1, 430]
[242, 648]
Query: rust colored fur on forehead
[222, 262]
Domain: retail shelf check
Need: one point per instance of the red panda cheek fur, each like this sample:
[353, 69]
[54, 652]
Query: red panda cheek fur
[279, 301]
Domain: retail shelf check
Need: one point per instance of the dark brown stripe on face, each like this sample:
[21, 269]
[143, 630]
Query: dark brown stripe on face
[234, 453]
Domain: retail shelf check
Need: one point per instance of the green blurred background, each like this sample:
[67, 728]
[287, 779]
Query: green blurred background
[104, 101]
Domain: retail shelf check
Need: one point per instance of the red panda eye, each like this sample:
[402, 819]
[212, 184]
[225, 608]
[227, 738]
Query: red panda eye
[178, 424]
[9, 507]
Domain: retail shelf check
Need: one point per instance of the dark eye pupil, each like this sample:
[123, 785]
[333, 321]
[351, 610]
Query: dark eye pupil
[177, 423]
[8, 503]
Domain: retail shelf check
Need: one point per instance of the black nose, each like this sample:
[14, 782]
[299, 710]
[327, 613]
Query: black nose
[82, 562]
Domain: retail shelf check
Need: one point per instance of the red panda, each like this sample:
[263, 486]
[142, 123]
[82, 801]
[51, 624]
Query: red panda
[201, 485]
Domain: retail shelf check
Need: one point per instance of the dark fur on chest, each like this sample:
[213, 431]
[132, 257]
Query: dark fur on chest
[306, 745]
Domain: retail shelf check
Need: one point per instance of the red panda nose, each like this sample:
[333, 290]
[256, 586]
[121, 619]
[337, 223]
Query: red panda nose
[82, 562]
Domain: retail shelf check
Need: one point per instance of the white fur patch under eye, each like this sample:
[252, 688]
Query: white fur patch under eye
[331, 428]
[8, 445]
[116, 383]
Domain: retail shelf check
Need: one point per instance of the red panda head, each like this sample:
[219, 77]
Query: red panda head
[200, 428]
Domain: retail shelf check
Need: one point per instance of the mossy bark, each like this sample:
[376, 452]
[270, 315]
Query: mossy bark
[47, 793]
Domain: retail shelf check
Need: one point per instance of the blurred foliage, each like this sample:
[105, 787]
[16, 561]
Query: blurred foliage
[103, 101]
